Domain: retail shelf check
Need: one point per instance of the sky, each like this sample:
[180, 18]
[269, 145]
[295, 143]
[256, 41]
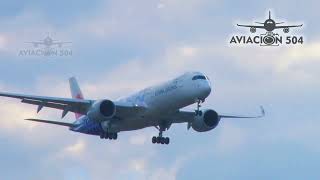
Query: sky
[119, 47]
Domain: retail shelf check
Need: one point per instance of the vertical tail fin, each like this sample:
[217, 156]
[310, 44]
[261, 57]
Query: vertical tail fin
[269, 14]
[75, 92]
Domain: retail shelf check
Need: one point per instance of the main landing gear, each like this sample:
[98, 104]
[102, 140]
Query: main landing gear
[110, 136]
[160, 139]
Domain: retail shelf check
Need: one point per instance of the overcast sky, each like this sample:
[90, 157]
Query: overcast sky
[119, 47]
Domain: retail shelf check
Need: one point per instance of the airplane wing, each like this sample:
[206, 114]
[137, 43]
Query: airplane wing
[279, 27]
[52, 122]
[80, 106]
[57, 43]
[258, 116]
[35, 43]
[261, 27]
[67, 104]
[187, 116]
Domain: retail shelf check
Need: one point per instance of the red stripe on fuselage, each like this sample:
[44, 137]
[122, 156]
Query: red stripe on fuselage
[78, 96]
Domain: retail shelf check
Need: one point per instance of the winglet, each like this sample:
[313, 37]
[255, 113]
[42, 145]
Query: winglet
[257, 116]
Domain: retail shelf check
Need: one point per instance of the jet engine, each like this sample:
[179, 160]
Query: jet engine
[102, 110]
[205, 121]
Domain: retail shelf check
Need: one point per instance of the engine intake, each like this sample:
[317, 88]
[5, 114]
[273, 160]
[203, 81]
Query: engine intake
[206, 121]
[107, 108]
[102, 110]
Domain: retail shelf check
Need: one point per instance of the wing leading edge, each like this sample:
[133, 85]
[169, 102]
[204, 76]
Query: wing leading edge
[187, 116]
[66, 104]
[279, 27]
[81, 106]
[251, 26]
[258, 116]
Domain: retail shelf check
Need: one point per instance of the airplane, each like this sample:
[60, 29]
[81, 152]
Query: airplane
[157, 106]
[269, 25]
[48, 42]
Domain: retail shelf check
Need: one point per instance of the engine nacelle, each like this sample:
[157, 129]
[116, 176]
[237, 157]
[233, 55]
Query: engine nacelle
[206, 121]
[102, 110]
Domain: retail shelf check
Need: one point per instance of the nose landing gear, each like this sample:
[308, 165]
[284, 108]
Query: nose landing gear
[198, 111]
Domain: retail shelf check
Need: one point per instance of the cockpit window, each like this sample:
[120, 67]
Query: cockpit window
[198, 77]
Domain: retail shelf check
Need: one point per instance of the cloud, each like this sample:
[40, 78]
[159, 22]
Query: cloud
[163, 174]
[75, 149]
[188, 51]
[170, 172]
[138, 165]
[3, 41]
[231, 139]
[172, 37]
[306, 53]
[139, 139]
[13, 114]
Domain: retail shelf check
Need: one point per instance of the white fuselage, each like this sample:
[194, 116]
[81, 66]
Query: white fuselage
[163, 99]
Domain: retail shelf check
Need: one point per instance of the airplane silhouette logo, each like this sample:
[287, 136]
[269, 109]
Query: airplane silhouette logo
[269, 25]
[48, 42]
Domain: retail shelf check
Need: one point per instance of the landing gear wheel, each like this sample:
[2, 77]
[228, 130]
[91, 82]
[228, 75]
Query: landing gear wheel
[162, 140]
[154, 139]
[166, 140]
[110, 136]
[158, 140]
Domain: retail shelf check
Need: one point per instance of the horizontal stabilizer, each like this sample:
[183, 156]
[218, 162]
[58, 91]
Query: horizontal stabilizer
[51, 122]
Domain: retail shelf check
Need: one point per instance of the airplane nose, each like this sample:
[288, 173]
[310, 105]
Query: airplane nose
[207, 89]
[204, 90]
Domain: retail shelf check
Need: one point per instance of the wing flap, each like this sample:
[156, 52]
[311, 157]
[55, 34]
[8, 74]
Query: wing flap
[77, 109]
[45, 98]
[80, 106]
[74, 105]
[44, 104]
